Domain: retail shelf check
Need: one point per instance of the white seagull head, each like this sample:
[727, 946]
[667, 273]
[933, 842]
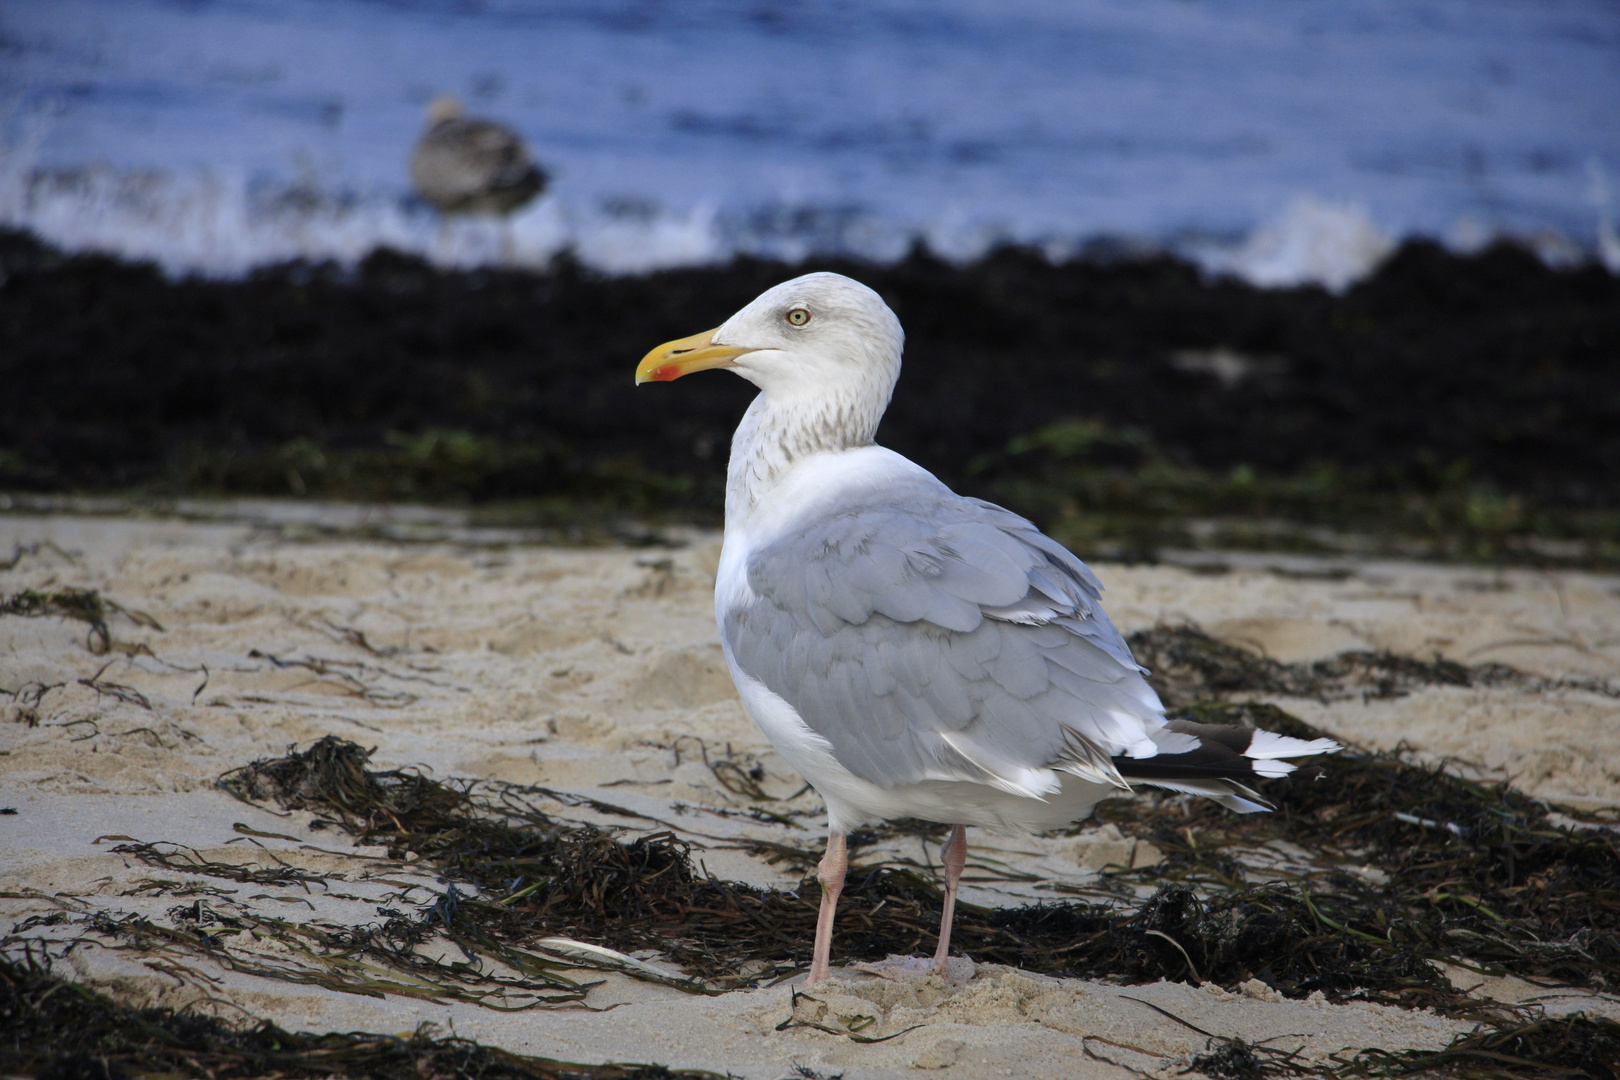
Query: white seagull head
[820, 337]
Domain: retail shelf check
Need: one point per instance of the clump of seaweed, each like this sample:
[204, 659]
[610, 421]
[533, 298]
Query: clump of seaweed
[1571, 1047]
[1410, 859]
[57, 1029]
[374, 960]
[1267, 933]
[84, 605]
[1503, 890]
[532, 877]
[1189, 666]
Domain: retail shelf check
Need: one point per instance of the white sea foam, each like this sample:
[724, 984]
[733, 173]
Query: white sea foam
[1608, 240]
[224, 225]
[1312, 242]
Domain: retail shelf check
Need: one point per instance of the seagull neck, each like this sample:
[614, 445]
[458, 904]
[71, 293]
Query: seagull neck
[776, 434]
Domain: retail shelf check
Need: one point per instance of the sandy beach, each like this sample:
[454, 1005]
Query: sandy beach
[596, 674]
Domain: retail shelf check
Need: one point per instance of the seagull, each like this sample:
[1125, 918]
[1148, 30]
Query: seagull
[464, 165]
[910, 651]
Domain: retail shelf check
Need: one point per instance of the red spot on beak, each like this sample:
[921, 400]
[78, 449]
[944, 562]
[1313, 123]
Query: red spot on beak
[667, 373]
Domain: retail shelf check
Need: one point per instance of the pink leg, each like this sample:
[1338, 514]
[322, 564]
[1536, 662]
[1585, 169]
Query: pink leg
[831, 876]
[954, 856]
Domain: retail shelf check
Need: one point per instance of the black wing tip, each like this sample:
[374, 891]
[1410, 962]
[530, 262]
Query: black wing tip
[1225, 759]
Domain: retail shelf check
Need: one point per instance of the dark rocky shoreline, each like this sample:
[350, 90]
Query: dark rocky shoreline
[1470, 397]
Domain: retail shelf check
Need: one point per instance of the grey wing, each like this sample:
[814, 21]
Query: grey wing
[929, 636]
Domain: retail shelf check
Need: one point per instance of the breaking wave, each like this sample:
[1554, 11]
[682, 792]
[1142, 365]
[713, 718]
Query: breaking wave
[226, 225]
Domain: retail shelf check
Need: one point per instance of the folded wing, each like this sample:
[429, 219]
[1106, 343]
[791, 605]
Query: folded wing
[928, 636]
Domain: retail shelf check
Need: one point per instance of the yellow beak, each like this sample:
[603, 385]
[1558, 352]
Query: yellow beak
[673, 359]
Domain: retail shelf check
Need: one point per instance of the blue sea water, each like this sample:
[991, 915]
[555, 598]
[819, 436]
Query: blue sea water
[1285, 140]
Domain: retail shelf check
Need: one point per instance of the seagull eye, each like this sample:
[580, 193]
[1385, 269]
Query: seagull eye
[798, 316]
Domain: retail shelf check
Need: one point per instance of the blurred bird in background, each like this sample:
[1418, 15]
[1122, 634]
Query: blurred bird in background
[466, 165]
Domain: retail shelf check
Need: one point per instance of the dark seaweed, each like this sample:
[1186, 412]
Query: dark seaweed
[1566, 1048]
[1233, 1059]
[1471, 401]
[1460, 871]
[1469, 873]
[1189, 666]
[83, 605]
[60, 1030]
